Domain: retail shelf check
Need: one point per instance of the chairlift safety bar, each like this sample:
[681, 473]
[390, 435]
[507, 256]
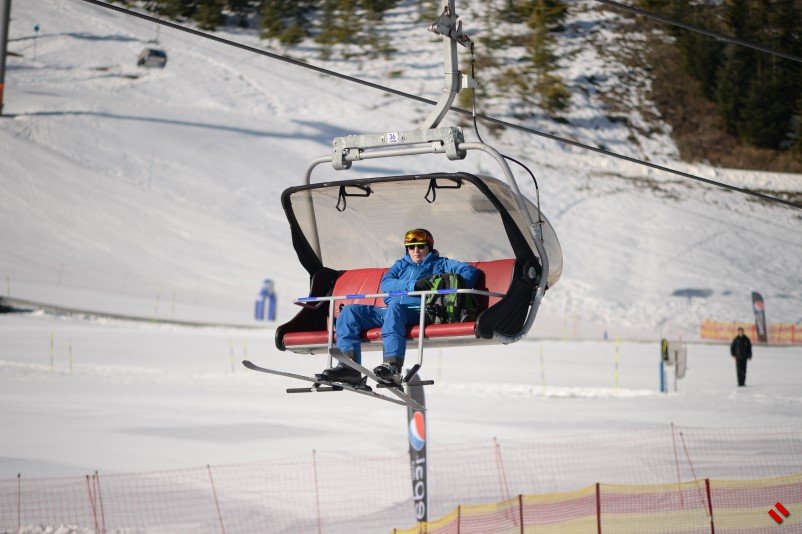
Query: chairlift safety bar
[302, 300]
[421, 323]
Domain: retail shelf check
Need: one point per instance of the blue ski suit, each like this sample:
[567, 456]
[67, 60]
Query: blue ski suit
[401, 310]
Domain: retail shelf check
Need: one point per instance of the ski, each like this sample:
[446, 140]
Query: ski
[395, 388]
[320, 385]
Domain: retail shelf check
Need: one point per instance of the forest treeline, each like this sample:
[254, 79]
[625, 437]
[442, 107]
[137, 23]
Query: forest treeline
[758, 97]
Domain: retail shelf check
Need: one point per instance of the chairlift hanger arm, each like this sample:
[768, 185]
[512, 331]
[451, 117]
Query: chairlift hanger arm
[449, 27]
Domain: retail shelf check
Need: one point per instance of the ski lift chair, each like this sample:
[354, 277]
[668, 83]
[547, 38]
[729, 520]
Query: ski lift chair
[347, 234]
[152, 58]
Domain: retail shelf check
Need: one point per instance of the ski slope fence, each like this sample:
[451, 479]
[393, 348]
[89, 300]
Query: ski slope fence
[700, 506]
[778, 333]
[649, 480]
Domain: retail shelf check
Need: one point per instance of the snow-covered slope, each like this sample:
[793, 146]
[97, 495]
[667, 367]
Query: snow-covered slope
[156, 193]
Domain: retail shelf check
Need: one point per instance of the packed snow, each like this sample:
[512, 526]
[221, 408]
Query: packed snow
[155, 193]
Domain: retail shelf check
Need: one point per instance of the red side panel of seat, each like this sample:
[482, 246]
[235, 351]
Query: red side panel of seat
[358, 281]
[315, 337]
[498, 275]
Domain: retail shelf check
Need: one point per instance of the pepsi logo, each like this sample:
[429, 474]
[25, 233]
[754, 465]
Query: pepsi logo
[758, 305]
[417, 431]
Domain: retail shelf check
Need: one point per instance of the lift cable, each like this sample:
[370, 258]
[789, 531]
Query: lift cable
[697, 29]
[464, 112]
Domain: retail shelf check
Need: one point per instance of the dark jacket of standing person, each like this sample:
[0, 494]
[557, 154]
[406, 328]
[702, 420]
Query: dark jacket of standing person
[741, 350]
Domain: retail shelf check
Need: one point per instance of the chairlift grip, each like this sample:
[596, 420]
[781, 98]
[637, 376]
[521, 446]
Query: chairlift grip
[449, 28]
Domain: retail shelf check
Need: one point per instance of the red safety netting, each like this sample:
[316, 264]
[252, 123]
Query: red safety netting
[648, 479]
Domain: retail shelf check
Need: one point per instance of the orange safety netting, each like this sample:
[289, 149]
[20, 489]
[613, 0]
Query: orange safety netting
[778, 333]
[697, 507]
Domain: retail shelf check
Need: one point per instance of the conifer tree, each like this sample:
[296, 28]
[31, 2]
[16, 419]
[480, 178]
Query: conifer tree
[775, 90]
[242, 9]
[285, 20]
[209, 14]
[738, 68]
[554, 96]
[177, 9]
[428, 10]
[701, 55]
[339, 23]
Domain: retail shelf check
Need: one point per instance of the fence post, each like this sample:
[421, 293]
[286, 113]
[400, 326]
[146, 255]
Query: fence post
[459, 517]
[521, 511]
[317, 491]
[502, 476]
[100, 502]
[216, 502]
[19, 502]
[92, 503]
[598, 508]
[676, 462]
[710, 507]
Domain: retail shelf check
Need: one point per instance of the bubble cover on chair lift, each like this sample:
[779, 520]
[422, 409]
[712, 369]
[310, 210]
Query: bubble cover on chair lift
[359, 223]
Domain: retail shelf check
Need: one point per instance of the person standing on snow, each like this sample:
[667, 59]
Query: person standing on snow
[741, 350]
[411, 273]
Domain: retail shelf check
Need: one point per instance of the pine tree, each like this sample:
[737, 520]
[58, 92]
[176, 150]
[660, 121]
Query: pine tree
[701, 55]
[286, 20]
[375, 8]
[179, 9]
[428, 10]
[775, 90]
[242, 9]
[340, 23]
[554, 96]
[209, 14]
[737, 69]
[552, 11]
[795, 137]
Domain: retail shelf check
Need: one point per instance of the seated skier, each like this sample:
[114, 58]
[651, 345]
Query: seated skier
[411, 273]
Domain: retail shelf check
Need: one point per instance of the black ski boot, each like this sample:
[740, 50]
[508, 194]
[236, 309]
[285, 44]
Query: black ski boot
[343, 373]
[390, 370]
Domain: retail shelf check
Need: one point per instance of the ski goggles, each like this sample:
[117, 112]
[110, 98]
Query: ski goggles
[418, 236]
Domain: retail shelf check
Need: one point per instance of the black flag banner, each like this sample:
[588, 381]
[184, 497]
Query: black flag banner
[760, 317]
[417, 451]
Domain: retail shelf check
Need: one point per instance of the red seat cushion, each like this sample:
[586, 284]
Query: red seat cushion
[431, 331]
[358, 281]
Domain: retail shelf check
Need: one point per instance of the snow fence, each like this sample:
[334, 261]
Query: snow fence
[651, 480]
[697, 507]
[778, 333]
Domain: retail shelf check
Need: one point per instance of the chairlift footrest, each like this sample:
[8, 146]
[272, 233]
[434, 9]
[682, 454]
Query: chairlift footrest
[393, 385]
[314, 389]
